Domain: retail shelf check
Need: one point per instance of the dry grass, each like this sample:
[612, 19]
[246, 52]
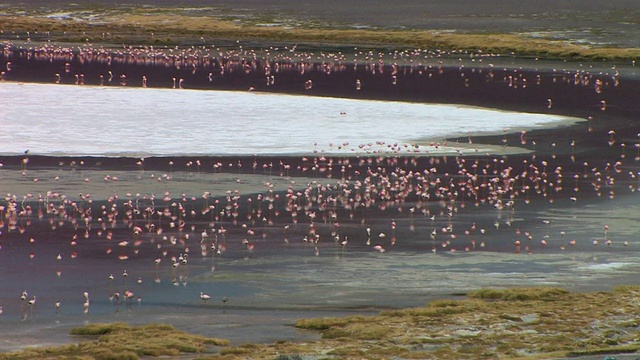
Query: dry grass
[170, 26]
[531, 323]
[120, 341]
[533, 293]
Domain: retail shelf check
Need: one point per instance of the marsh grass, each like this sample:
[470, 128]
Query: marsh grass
[626, 349]
[170, 26]
[98, 329]
[522, 294]
[327, 323]
[531, 323]
[118, 341]
[539, 322]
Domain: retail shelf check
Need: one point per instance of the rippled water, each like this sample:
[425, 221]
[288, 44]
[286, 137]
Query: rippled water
[84, 120]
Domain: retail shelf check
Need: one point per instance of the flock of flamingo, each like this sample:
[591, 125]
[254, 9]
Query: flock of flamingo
[350, 204]
[369, 202]
[285, 68]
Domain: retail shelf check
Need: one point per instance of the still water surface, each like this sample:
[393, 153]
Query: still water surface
[83, 120]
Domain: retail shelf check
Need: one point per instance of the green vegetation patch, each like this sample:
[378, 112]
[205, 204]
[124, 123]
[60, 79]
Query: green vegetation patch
[171, 26]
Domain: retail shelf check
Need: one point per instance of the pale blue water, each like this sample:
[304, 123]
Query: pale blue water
[84, 120]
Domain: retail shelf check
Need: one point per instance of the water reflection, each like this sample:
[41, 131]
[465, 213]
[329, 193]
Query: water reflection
[163, 122]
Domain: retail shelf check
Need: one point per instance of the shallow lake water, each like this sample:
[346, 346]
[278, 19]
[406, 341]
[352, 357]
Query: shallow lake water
[279, 246]
[276, 282]
[106, 121]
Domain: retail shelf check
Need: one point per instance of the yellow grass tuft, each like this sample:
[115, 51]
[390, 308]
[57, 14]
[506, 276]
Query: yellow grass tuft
[119, 341]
